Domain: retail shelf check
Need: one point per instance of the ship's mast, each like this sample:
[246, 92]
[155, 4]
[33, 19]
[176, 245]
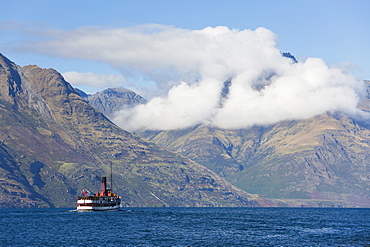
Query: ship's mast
[111, 178]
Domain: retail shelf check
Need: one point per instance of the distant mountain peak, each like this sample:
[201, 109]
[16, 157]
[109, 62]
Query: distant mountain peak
[289, 55]
[112, 100]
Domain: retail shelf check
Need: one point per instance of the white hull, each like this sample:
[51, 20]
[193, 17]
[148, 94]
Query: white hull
[91, 208]
[98, 203]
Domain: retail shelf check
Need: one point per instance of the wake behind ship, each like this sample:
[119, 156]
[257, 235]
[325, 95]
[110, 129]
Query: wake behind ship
[102, 201]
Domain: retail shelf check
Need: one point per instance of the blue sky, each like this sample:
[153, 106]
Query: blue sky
[337, 31]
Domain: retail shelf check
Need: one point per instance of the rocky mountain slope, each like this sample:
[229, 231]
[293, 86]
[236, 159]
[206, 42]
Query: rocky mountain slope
[53, 144]
[322, 161]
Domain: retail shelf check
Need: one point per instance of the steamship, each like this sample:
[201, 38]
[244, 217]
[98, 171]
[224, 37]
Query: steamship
[101, 201]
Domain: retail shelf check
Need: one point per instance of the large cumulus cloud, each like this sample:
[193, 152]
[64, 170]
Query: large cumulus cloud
[189, 68]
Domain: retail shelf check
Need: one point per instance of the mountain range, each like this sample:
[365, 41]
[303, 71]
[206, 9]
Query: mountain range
[56, 140]
[318, 162]
[54, 144]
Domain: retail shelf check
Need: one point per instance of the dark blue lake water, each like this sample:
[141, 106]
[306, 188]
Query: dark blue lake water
[186, 227]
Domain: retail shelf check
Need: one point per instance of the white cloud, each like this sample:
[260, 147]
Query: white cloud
[300, 91]
[190, 67]
[96, 81]
[184, 105]
[164, 53]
